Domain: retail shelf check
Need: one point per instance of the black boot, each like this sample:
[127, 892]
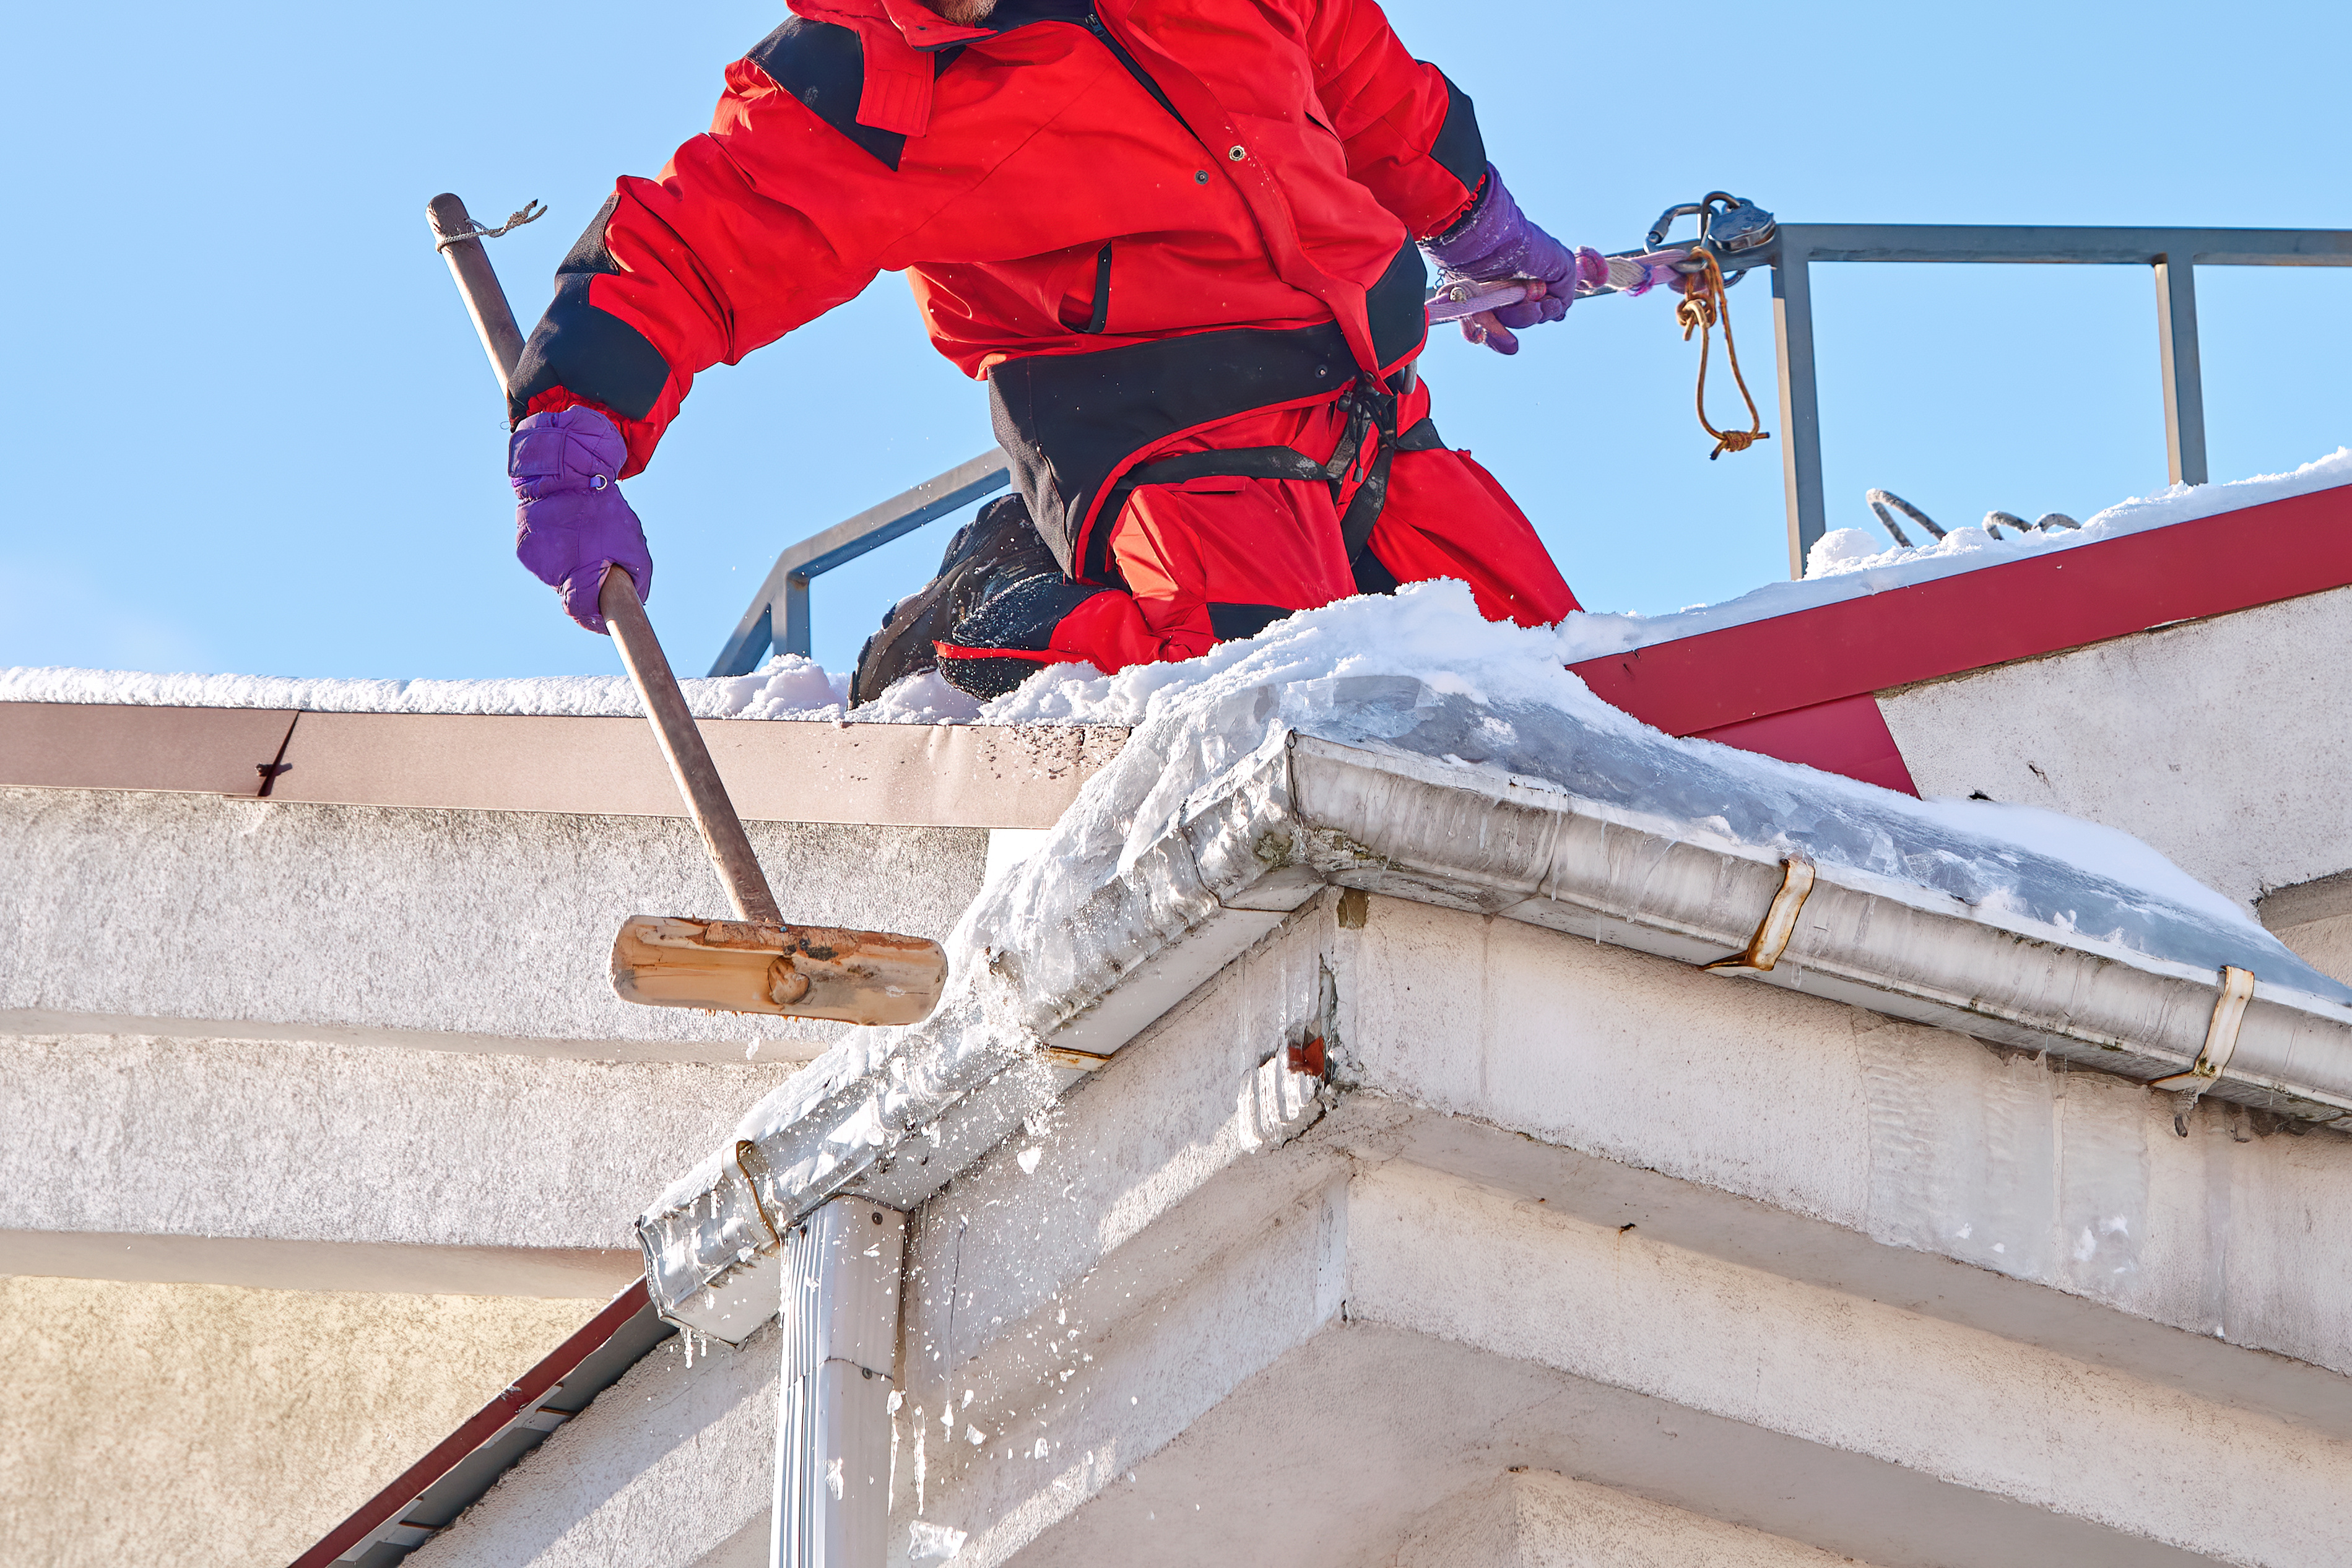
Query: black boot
[1018, 616]
[999, 547]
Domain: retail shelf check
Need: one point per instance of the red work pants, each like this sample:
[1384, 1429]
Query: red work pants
[1207, 559]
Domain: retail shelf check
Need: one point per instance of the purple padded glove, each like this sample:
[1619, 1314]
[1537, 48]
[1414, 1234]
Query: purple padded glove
[571, 522]
[1497, 242]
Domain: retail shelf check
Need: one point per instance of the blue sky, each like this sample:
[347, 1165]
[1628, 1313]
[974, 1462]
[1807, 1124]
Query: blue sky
[250, 430]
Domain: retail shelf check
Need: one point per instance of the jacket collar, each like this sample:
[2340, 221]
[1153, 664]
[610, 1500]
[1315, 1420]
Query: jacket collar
[899, 38]
[917, 26]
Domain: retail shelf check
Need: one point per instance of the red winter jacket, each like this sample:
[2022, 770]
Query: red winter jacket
[1135, 218]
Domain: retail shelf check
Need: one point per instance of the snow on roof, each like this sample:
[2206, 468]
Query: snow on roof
[1844, 565]
[1847, 563]
[1423, 673]
[787, 687]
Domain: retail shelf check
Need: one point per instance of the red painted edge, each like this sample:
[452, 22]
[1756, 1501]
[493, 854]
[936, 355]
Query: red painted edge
[2182, 571]
[480, 1428]
[1848, 736]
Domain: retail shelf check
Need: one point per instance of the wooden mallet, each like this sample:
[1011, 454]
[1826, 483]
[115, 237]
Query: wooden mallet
[754, 963]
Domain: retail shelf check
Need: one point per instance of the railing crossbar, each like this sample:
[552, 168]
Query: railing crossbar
[2173, 255]
[778, 612]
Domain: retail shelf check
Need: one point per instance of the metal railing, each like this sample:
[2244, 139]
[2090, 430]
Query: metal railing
[778, 614]
[2175, 254]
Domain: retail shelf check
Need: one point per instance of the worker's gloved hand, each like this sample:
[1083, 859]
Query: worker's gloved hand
[571, 522]
[1496, 242]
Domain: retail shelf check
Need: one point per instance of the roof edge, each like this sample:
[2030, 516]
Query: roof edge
[787, 770]
[1303, 814]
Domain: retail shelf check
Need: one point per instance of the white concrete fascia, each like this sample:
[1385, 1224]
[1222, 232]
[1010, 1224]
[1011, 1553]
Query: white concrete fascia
[1302, 813]
[790, 770]
[951, 1089]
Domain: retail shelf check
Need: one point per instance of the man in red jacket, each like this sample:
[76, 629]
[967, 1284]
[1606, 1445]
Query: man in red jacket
[1180, 241]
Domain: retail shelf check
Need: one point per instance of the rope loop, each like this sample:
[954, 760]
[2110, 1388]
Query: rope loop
[530, 213]
[1702, 309]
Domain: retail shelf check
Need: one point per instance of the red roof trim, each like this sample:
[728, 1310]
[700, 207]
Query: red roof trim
[1848, 736]
[2019, 610]
[481, 1428]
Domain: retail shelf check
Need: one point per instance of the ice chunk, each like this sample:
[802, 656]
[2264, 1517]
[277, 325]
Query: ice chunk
[926, 1539]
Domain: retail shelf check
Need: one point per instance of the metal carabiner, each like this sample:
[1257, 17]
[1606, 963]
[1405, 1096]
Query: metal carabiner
[1736, 231]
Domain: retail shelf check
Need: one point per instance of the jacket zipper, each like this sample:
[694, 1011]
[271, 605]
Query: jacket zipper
[1094, 25]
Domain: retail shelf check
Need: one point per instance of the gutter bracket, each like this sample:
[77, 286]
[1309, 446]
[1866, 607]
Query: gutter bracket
[1779, 924]
[2220, 1044]
[745, 1153]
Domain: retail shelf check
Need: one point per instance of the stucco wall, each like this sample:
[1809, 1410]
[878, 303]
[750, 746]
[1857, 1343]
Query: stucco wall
[481, 922]
[334, 1142]
[1536, 1519]
[2221, 742]
[277, 1053]
[212, 1427]
[2324, 945]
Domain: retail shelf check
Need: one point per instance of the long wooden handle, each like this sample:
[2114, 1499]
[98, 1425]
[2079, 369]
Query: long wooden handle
[485, 302]
[689, 760]
[641, 652]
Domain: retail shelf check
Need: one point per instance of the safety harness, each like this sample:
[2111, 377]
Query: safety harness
[1371, 410]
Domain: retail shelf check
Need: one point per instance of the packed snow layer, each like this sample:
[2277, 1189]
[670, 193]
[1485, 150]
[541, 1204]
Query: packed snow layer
[787, 687]
[1422, 672]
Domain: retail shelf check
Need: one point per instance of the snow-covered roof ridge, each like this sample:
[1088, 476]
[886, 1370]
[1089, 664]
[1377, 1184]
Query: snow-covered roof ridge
[1848, 563]
[1423, 671]
[789, 687]
[1407, 745]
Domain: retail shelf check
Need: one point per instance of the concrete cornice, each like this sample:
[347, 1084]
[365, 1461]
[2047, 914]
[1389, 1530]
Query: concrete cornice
[1304, 813]
[967, 776]
[567, 1273]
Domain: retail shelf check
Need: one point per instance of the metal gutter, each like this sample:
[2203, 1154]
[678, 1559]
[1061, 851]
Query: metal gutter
[1901, 950]
[1304, 812]
[787, 770]
[431, 1493]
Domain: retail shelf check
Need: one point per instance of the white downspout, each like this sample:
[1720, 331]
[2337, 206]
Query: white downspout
[840, 1320]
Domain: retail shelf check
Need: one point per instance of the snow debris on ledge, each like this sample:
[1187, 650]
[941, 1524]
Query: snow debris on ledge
[1422, 672]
